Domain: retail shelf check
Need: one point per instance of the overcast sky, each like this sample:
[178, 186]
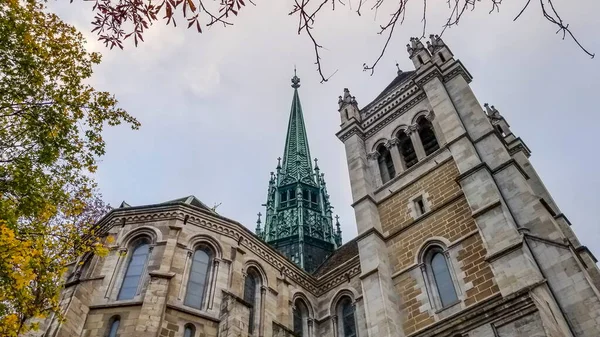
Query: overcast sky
[214, 107]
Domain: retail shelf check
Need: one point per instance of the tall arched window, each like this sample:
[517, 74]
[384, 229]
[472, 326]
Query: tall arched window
[189, 330]
[115, 321]
[346, 320]
[135, 270]
[250, 296]
[300, 318]
[406, 149]
[427, 135]
[386, 165]
[198, 278]
[439, 275]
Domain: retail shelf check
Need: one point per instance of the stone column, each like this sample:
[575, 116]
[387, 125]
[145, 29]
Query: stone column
[392, 146]
[334, 321]
[261, 320]
[413, 133]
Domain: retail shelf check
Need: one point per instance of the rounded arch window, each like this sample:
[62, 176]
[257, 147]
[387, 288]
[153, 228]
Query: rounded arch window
[439, 276]
[427, 135]
[189, 330]
[406, 149]
[136, 267]
[252, 285]
[346, 317]
[300, 318]
[115, 321]
[386, 164]
[198, 277]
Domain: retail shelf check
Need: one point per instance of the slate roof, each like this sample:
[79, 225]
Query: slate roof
[341, 255]
[190, 200]
[400, 79]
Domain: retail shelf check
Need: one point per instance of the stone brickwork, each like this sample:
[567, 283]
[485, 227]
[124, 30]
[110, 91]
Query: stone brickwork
[440, 185]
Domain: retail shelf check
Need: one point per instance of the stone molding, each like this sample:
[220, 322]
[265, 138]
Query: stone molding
[345, 134]
[404, 88]
[234, 230]
[395, 114]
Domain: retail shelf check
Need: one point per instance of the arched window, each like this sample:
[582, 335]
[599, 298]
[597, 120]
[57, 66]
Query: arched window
[420, 59]
[386, 165]
[407, 151]
[346, 320]
[135, 270]
[250, 295]
[300, 317]
[189, 330]
[430, 143]
[439, 276]
[198, 278]
[115, 321]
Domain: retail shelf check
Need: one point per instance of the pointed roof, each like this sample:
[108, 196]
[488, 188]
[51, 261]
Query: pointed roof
[296, 156]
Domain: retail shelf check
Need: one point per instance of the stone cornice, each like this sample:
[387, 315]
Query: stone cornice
[346, 133]
[387, 103]
[238, 232]
[390, 117]
[431, 73]
[457, 69]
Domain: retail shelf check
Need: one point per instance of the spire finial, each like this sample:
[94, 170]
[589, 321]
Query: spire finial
[295, 80]
[316, 163]
[399, 70]
[278, 162]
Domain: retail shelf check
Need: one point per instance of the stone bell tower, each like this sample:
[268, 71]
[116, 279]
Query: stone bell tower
[457, 234]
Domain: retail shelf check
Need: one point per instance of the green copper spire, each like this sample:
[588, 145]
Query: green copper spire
[296, 155]
[298, 219]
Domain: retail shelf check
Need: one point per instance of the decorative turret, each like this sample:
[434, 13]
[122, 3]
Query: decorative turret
[348, 108]
[298, 220]
[498, 122]
[417, 52]
[439, 50]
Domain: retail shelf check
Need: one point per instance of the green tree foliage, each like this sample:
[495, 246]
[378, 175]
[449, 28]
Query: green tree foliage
[51, 124]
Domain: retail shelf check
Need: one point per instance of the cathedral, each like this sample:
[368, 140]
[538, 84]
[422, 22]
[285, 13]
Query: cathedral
[457, 237]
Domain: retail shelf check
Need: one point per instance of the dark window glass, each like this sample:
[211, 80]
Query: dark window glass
[298, 321]
[430, 143]
[386, 165]
[114, 327]
[348, 323]
[407, 151]
[189, 331]
[443, 280]
[134, 271]
[196, 286]
[250, 297]
[420, 206]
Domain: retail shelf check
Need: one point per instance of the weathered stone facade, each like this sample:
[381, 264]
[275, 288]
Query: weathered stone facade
[464, 240]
